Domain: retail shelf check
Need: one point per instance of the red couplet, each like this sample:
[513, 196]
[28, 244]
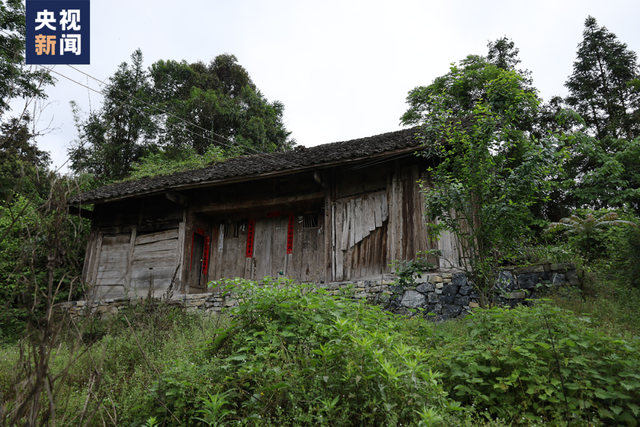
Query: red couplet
[205, 256]
[250, 234]
[290, 235]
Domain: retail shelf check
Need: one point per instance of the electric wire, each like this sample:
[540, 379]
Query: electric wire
[185, 123]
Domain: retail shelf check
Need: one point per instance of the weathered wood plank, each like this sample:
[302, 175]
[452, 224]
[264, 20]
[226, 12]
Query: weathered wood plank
[279, 252]
[371, 218]
[240, 251]
[377, 209]
[391, 195]
[352, 222]
[263, 246]
[130, 250]
[298, 251]
[144, 239]
[328, 226]
[110, 291]
[226, 248]
[160, 274]
[180, 257]
[398, 206]
[111, 273]
[119, 258]
[162, 245]
[115, 247]
[90, 256]
[93, 274]
[358, 220]
[115, 239]
[340, 240]
[313, 256]
[384, 207]
[344, 231]
[153, 259]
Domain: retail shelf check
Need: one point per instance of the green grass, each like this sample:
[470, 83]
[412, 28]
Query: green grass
[292, 357]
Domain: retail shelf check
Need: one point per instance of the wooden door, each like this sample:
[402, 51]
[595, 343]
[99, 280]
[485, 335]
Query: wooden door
[199, 263]
[270, 247]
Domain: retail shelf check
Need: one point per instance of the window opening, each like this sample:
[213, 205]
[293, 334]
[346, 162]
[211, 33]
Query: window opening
[310, 221]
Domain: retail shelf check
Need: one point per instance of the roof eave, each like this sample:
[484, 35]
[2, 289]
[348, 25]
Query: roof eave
[243, 178]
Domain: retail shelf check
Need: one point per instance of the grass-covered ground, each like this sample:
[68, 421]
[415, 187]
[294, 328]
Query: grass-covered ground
[292, 357]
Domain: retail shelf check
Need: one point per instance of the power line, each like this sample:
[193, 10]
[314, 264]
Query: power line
[184, 122]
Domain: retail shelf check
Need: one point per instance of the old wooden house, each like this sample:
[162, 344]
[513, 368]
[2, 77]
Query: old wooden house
[334, 212]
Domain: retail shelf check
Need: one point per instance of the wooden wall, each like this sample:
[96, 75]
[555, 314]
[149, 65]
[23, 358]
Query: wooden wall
[135, 248]
[376, 226]
[134, 264]
[270, 258]
[366, 216]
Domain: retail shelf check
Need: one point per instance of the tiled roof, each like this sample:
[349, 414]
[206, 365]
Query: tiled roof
[256, 165]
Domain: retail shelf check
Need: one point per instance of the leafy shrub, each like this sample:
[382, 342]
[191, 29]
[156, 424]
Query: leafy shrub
[543, 365]
[298, 355]
[406, 270]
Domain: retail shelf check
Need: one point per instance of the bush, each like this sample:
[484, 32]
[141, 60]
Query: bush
[302, 357]
[543, 365]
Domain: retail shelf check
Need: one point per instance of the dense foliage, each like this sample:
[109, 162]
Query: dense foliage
[172, 113]
[41, 256]
[507, 164]
[605, 85]
[296, 356]
[18, 80]
[490, 171]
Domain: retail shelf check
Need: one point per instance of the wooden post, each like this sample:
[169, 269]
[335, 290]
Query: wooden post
[132, 245]
[328, 225]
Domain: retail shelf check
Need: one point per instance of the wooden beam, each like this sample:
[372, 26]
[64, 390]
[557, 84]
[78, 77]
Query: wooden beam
[176, 198]
[252, 204]
[74, 210]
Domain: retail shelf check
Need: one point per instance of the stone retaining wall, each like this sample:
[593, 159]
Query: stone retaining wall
[445, 295]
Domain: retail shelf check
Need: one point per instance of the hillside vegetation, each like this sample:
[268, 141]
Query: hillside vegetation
[291, 355]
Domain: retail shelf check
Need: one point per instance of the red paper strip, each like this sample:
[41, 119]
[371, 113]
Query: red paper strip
[290, 235]
[205, 256]
[250, 232]
[200, 231]
[273, 214]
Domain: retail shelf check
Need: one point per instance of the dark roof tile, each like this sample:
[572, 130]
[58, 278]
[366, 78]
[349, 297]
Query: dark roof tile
[259, 164]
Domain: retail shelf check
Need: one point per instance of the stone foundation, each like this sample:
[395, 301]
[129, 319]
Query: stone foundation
[444, 295]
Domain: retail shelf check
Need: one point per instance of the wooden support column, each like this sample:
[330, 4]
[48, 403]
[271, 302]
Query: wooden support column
[93, 274]
[186, 252]
[328, 185]
[180, 256]
[91, 254]
[132, 245]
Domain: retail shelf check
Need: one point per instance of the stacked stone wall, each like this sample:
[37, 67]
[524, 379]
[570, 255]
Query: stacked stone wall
[443, 295]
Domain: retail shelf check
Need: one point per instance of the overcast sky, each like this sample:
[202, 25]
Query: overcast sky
[342, 69]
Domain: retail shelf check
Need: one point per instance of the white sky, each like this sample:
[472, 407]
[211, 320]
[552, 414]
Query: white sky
[341, 69]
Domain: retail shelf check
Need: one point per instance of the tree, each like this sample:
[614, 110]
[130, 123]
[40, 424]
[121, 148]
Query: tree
[113, 138]
[481, 192]
[602, 176]
[22, 164]
[605, 87]
[216, 104]
[601, 170]
[465, 85]
[17, 80]
[175, 113]
[586, 228]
